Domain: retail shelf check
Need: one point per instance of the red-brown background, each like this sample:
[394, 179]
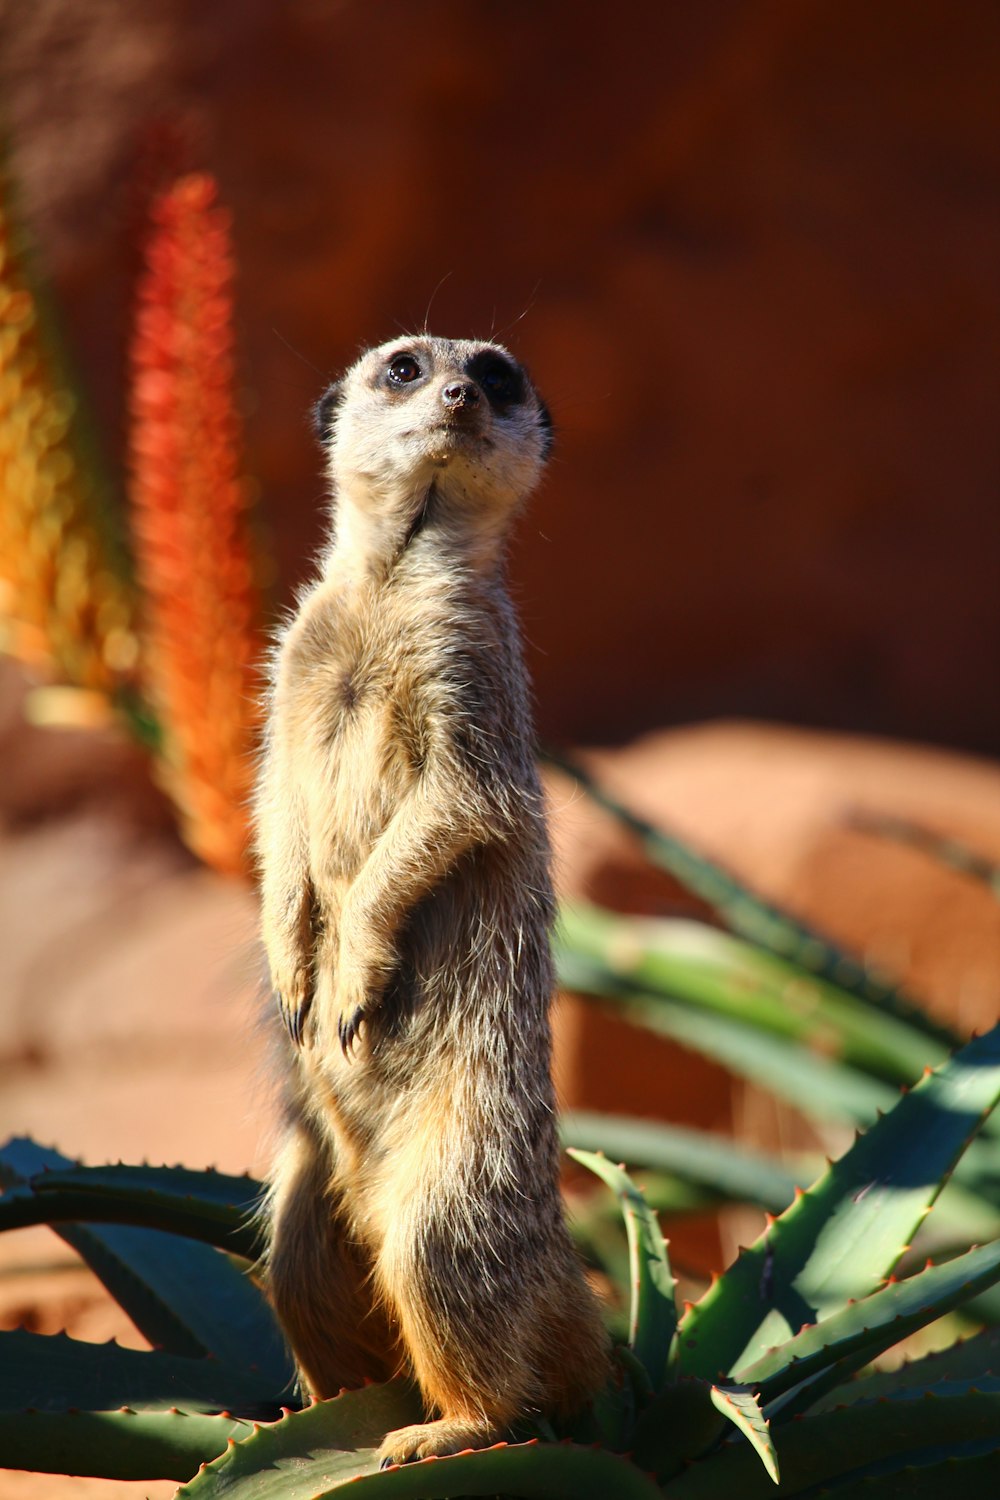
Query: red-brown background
[748, 249]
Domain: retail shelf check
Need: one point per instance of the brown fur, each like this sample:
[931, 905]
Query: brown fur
[406, 901]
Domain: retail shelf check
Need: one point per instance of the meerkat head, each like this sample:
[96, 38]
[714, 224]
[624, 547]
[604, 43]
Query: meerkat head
[434, 429]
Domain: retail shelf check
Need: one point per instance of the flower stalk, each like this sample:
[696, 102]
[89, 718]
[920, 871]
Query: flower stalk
[189, 501]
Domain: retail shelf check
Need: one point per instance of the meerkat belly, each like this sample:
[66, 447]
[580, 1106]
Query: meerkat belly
[473, 966]
[356, 773]
[472, 952]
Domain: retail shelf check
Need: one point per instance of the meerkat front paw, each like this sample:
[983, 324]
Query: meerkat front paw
[357, 995]
[435, 1439]
[294, 997]
[349, 1028]
[353, 1004]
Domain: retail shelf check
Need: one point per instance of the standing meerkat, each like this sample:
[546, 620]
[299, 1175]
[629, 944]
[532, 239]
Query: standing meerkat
[416, 1217]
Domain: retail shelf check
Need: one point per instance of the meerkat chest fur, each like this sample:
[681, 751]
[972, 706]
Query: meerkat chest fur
[371, 668]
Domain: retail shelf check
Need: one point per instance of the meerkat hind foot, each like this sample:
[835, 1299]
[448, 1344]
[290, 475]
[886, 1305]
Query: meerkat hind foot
[435, 1439]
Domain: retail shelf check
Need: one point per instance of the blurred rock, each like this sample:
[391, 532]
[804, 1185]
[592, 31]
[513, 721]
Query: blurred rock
[131, 975]
[774, 805]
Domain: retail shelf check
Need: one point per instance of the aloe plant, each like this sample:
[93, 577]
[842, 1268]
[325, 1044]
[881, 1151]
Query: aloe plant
[824, 1049]
[762, 1382]
[768, 927]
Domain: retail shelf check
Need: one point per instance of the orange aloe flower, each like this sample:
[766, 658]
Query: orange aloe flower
[189, 505]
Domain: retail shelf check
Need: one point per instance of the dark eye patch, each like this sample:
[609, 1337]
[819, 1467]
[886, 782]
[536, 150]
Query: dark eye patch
[501, 382]
[325, 411]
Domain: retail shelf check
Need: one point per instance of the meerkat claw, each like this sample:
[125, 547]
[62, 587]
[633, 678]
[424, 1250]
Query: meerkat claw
[293, 1018]
[347, 1031]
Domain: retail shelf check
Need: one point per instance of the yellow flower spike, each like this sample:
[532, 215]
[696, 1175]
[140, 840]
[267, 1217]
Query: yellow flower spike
[62, 607]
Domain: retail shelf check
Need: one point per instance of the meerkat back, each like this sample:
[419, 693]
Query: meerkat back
[416, 1222]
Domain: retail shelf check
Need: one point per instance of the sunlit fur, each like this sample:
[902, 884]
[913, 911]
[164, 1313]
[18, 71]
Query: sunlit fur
[416, 1217]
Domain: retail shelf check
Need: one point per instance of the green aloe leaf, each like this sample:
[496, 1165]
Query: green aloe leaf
[52, 1373]
[305, 1452]
[846, 1340]
[843, 1237]
[681, 1423]
[653, 1317]
[741, 1407]
[971, 1360]
[745, 913]
[210, 1206]
[186, 1298]
[966, 1213]
[610, 1417]
[705, 1169]
[816, 1084]
[687, 1419]
[714, 971]
[334, 1445]
[730, 1171]
[976, 1477]
[116, 1444]
[818, 1452]
[989, 1384]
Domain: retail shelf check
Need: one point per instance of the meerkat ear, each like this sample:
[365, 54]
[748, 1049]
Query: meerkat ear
[324, 413]
[545, 422]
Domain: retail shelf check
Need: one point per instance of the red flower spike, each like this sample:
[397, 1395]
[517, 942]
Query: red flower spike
[189, 501]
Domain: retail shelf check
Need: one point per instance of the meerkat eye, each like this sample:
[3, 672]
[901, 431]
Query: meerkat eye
[403, 369]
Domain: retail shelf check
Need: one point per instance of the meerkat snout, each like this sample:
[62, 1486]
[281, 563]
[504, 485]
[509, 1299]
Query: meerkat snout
[460, 394]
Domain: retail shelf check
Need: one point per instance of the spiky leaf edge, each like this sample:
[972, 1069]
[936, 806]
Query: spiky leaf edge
[121, 1444]
[653, 1316]
[848, 1220]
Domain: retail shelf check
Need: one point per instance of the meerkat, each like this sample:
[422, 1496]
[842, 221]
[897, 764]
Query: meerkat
[416, 1220]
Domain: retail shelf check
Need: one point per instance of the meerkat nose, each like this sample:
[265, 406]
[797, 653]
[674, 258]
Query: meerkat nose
[460, 393]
